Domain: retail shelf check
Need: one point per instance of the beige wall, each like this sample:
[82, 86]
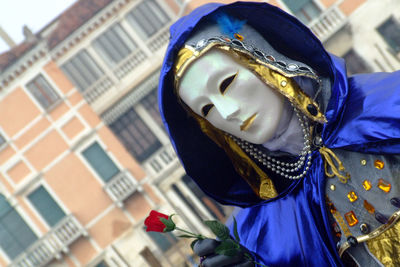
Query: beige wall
[12, 120]
[349, 6]
[48, 144]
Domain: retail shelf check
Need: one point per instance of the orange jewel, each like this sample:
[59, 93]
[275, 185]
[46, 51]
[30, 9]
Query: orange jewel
[352, 196]
[369, 207]
[384, 186]
[238, 36]
[367, 185]
[351, 218]
[379, 164]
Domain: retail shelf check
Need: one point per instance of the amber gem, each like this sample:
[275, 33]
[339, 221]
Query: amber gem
[352, 196]
[351, 218]
[238, 36]
[384, 185]
[367, 185]
[379, 164]
[369, 207]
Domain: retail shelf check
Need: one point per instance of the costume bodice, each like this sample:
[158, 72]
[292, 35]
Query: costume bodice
[366, 207]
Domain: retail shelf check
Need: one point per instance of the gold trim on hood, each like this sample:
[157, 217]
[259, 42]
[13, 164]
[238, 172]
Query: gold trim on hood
[269, 74]
[258, 180]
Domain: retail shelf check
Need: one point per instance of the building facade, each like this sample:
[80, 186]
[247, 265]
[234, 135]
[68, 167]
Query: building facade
[83, 153]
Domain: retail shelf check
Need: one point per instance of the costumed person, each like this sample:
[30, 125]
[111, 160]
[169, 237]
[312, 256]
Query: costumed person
[263, 118]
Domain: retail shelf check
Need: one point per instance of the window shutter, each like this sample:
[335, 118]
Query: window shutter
[296, 5]
[46, 206]
[100, 162]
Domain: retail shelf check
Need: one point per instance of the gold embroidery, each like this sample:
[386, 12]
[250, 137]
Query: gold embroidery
[338, 217]
[271, 75]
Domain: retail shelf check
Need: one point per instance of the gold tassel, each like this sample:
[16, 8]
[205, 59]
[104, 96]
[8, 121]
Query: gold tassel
[328, 154]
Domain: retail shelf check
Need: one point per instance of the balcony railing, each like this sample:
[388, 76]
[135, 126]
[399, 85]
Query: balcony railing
[51, 245]
[97, 89]
[330, 21]
[120, 187]
[159, 40]
[129, 63]
[161, 161]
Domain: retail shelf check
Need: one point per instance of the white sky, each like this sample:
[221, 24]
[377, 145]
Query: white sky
[14, 14]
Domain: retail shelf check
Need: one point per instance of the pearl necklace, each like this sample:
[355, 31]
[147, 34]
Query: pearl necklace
[281, 168]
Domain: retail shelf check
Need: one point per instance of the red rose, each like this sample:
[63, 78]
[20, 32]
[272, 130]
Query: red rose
[158, 222]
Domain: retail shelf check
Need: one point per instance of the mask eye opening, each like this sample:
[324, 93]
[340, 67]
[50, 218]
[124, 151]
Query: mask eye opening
[223, 87]
[206, 109]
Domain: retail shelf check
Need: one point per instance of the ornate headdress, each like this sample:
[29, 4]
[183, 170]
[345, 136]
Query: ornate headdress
[276, 70]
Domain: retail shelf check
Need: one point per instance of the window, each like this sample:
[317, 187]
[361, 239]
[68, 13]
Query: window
[46, 206]
[43, 92]
[150, 103]
[355, 63]
[135, 135]
[147, 18]
[164, 241]
[102, 264]
[15, 234]
[390, 31]
[100, 162]
[114, 45]
[82, 70]
[304, 10]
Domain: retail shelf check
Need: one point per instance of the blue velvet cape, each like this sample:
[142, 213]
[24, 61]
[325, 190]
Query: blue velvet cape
[363, 115]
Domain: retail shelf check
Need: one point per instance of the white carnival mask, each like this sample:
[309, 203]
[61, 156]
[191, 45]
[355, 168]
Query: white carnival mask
[231, 97]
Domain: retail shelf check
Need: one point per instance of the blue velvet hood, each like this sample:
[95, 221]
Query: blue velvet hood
[363, 115]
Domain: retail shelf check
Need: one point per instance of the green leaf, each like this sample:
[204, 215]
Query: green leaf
[247, 255]
[235, 231]
[219, 229]
[186, 236]
[228, 248]
[192, 244]
[169, 224]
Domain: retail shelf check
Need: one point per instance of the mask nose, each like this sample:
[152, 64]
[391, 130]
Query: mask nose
[227, 108]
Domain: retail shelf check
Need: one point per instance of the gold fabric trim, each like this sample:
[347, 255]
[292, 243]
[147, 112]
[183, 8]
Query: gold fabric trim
[328, 154]
[339, 218]
[269, 74]
[386, 247]
[258, 180]
[377, 232]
